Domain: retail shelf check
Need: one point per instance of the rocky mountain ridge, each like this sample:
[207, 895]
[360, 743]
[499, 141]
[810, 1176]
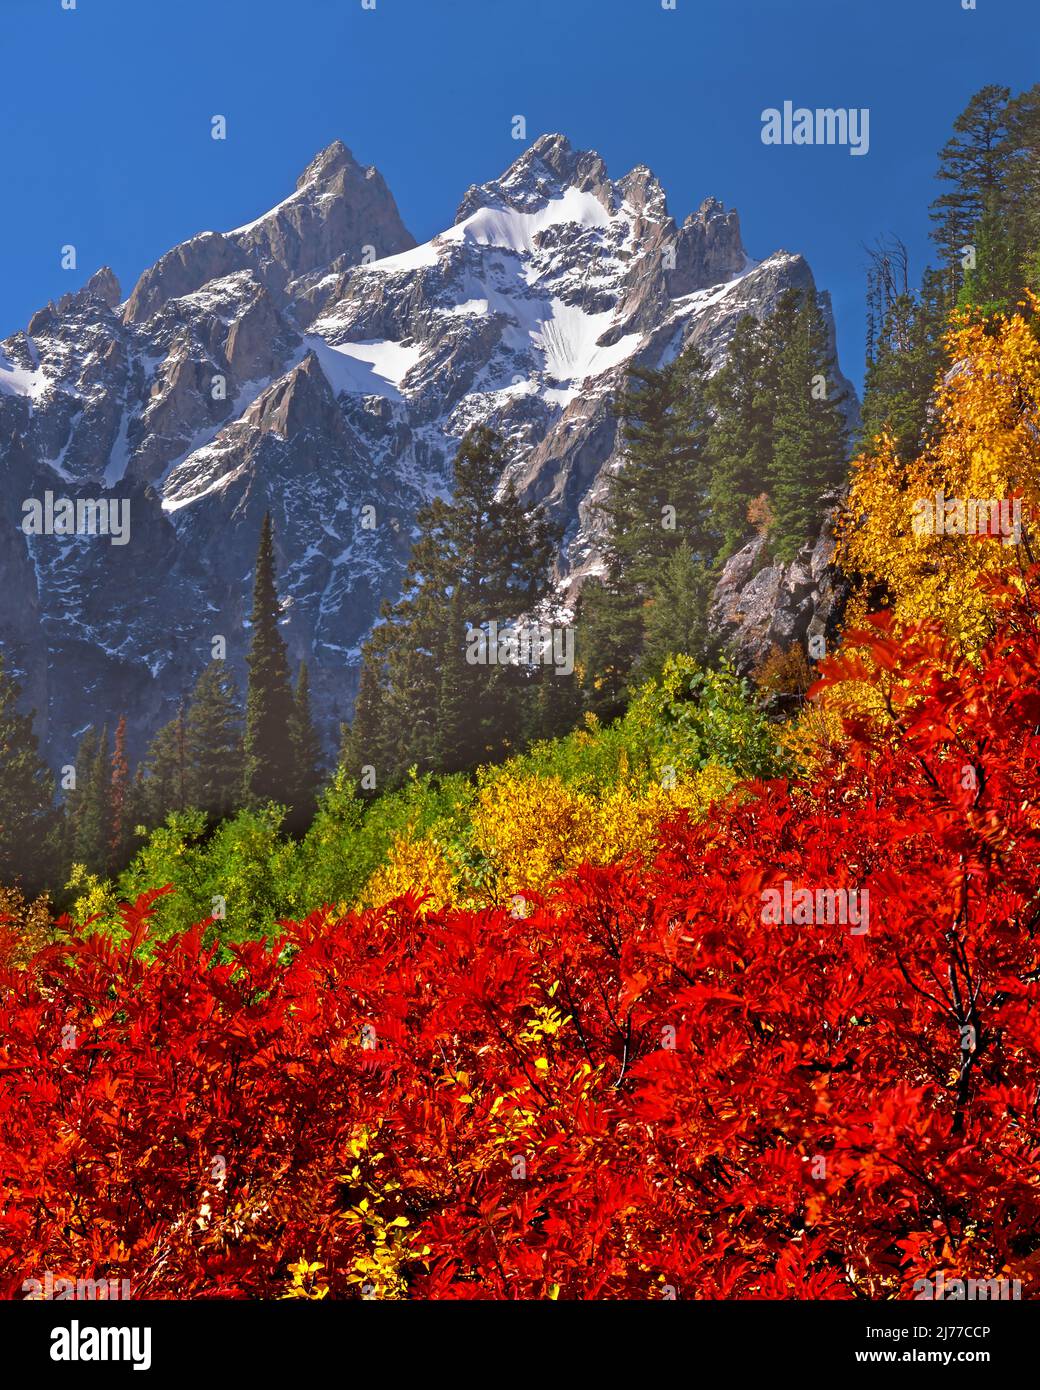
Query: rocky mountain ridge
[315, 362]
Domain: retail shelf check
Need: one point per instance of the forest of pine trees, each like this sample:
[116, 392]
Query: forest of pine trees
[480, 558]
[764, 440]
[214, 756]
[28, 817]
[766, 435]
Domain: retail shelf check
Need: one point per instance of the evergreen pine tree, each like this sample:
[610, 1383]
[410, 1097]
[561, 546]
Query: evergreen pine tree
[976, 163]
[554, 706]
[461, 694]
[92, 824]
[29, 820]
[609, 635]
[810, 440]
[907, 359]
[992, 284]
[121, 805]
[307, 756]
[655, 501]
[658, 494]
[164, 774]
[76, 795]
[1022, 199]
[740, 442]
[362, 747]
[268, 757]
[213, 743]
[676, 619]
[482, 557]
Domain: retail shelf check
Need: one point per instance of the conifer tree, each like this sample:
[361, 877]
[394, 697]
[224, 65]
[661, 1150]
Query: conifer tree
[655, 502]
[462, 693]
[76, 795]
[975, 162]
[213, 743]
[268, 758]
[992, 281]
[306, 751]
[810, 434]
[482, 557]
[742, 396]
[29, 820]
[610, 628]
[121, 803]
[907, 358]
[92, 808]
[658, 494]
[1022, 199]
[676, 618]
[163, 776]
[361, 747]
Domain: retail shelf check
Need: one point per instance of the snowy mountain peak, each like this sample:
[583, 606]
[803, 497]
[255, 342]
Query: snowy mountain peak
[641, 191]
[543, 173]
[340, 214]
[315, 361]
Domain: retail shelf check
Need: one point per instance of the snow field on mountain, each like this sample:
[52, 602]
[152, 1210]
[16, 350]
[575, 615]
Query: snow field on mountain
[366, 368]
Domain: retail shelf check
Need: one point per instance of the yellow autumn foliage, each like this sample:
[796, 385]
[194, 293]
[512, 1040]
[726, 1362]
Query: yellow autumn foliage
[596, 796]
[31, 921]
[95, 896]
[900, 530]
[987, 450]
[532, 829]
[814, 736]
[412, 866]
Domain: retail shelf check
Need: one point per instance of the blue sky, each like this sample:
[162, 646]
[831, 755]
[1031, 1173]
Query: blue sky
[106, 114]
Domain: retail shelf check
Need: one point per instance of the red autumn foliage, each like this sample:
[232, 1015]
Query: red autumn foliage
[720, 1106]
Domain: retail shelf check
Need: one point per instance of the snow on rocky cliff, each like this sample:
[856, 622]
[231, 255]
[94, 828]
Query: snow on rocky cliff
[314, 361]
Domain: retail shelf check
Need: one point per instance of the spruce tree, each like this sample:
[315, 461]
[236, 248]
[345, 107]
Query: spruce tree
[268, 755]
[676, 618]
[92, 808]
[907, 359]
[656, 501]
[307, 756]
[461, 692]
[121, 804]
[76, 795]
[810, 440]
[1022, 200]
[213, 743]
[29, 820]
[609, 627]
[658, 493]
[164, 774]
[740, 443]
[992, 284]
[975, 162]
[482, 557]
[362, 746]
[554, 705]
